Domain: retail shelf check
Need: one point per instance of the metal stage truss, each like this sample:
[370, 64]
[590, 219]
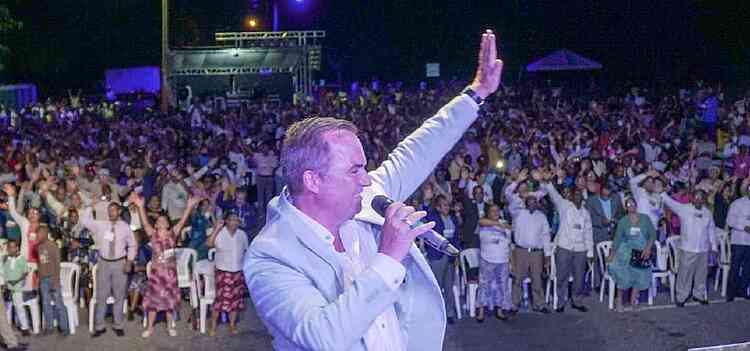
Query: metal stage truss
[294, 53]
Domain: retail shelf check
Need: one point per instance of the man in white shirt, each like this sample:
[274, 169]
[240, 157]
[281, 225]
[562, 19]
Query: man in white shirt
[323, 279]
[738, 220]
[531, 235]
[574, 245]
[647, 196]
[517, 191]
[697, 237]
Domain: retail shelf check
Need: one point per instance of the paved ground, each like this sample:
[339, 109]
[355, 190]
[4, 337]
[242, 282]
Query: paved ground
[660, 327]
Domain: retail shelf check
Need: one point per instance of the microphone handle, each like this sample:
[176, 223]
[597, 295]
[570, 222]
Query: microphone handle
[437, 241]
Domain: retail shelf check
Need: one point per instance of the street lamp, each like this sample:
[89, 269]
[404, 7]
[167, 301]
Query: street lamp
[164, 106]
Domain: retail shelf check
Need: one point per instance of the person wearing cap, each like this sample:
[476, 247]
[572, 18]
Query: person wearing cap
[230, 243]
[517, 191]
[530, 254]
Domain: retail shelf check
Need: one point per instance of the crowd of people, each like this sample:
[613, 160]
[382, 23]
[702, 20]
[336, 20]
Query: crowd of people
[542, 174]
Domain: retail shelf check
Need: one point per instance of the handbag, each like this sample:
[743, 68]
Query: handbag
[637, 262]
[29, 295]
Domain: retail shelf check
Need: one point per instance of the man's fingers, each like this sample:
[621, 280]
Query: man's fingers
[415, 217]
[492, 52]
[393, 208]
[483, 50]
[403, 213]
[421, 229]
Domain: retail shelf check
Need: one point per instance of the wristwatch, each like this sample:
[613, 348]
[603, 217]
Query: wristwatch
[473, 95]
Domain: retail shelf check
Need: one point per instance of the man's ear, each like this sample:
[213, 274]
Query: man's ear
[311, 180]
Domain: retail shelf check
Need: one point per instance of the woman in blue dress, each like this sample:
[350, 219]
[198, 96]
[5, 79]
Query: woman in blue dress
[634, 232]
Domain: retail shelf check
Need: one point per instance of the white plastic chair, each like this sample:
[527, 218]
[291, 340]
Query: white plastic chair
[70, 274]
[470, 257]
[186, 275]
[211, 254]
[33, 304]
[550, 295]
[92, 304]
[661, 270]
[184, 232]
[603, 250]
[673, 245]
[722, 271]
[457, 293]
[206, 296]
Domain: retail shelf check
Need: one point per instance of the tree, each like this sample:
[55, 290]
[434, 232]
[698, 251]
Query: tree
[7, 24]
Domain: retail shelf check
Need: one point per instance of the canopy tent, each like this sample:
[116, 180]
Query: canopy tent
[563, 60]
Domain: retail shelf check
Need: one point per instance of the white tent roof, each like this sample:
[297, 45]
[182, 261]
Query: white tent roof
[563, 60]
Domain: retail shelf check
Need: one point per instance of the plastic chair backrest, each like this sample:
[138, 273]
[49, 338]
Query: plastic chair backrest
[603, 250]
[207, 289]
[94, 268]
[185, 265]
[672, 244]
[662, 257]
[723, 246]
[468, 257]
[69, 279]
[211, 254]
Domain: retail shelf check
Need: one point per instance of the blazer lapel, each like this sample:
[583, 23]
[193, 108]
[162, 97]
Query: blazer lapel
[312, 242]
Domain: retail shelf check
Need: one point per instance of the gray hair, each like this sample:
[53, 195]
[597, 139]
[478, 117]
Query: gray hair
[305, 149]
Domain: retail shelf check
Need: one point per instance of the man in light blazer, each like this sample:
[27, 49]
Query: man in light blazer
[606, 209]
[327, 272]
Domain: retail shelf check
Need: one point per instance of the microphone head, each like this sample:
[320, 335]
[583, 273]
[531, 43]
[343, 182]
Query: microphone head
[380, 203]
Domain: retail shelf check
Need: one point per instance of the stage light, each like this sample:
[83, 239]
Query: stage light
[252, 23]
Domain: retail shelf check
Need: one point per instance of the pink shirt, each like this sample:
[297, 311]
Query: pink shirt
[741, 166]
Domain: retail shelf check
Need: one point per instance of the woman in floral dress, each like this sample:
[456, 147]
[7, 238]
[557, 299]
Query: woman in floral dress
[162, 292]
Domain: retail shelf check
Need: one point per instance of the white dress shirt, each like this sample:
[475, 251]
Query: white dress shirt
[648, 204]
[230, 250]
[515, 202]
[575, 233]
[385, 332]
[494, 245]
[739, 218]
[531, 231]
[697, 228]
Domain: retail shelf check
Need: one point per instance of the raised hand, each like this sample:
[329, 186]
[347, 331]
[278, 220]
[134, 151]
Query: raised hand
[136, 199]
[194, 201]
[398, 236]
[9, 190]
[490, 69]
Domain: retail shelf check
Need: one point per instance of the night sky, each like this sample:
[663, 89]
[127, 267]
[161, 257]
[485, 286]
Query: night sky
[69, 43]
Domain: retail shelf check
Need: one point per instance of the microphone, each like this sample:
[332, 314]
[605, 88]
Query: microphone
[381, 202]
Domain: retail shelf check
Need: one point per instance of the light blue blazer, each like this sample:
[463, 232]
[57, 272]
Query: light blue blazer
[295, 279]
